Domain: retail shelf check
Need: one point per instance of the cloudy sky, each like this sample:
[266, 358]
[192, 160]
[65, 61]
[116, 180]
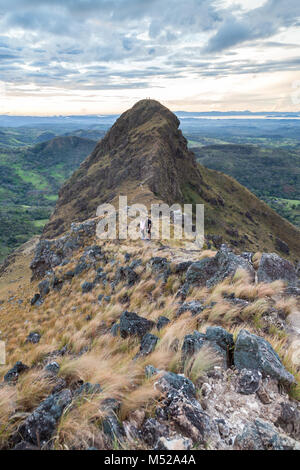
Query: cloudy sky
[100, 56]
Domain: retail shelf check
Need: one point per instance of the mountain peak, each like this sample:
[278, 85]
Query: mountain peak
[145, 157]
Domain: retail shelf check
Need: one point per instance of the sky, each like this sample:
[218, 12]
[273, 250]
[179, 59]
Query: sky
[101, 56]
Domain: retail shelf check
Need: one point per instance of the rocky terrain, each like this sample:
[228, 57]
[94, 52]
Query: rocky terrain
[148, 344]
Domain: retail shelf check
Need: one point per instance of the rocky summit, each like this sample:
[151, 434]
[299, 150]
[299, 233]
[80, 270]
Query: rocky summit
[152, 344]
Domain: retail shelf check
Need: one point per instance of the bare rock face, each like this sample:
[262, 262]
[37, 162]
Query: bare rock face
[272, 268]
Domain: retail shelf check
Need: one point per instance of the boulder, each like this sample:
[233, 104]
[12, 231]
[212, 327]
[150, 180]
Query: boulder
[33, 337]
[193, 306]
[261, 435]
[148, 344]
[174, 384]
[88, 389]
[272, 268]
[87, 287]
[127, 275]
[52, 368]
[132, 324]
[255, 353]
[210, 271]
[13, 374]
[40, 425]
[36, 300]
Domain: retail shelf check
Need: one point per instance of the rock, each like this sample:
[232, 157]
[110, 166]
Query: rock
[172, 384]
[69, 275]
[57, 283]
[181, 267]
[218, 339]
[152, 430]
[36, 300]
[13, 374]
[88, 389]
[289, 419]
[223, 428]
[174, 443]
[261, 435]
[210, 271]
[51, 253]
[280, 245]
[53, 368]
[255, 353]
[193, 306]
[162, 322]
[273, 268]
[44, 287]
[133, 324]
[93, 252]
[111, 425]
[189, 417]
[40, 425]
[127, 275]
[80, 267]
[249, 381]
[127, 257]
[87, 287]
[192, 344]
[160, 266]
[33, 337]
[148, 344]
[115, 329]
[135, 263]
[150, 371]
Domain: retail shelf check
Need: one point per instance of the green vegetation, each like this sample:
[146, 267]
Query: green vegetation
[272, 174]
[30, 178]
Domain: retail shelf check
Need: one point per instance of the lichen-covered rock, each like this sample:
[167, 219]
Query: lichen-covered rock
[127, 275]
[13, 374]
[152, 430]
[132, 324]
[40, 425]
[148, 344]
[88, 389]
[33, 337]
[249, 381]
[273, 268]
[52, 368]
[255, 353]
[161, 267]
[210, 271]
[261, 435]
[193, 306]
[87, 287]
[174, 384]
[36, 300]
[51, 253]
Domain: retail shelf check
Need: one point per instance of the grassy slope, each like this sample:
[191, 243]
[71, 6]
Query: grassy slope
[108, 360]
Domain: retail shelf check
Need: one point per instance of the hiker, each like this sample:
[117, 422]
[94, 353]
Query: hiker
[142, 228]
[149, 227]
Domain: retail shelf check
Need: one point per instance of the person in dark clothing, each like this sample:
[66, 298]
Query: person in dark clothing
[149, 227]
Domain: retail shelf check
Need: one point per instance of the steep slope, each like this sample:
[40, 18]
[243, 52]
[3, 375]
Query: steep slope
[145, 156]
